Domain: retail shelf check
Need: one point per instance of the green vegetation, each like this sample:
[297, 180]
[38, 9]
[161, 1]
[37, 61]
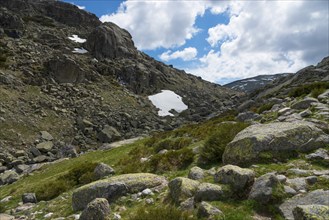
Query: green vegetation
[75, 177]
[214, 146]
[314, 89]
[45, 21]
[264, 107]
[161, 212]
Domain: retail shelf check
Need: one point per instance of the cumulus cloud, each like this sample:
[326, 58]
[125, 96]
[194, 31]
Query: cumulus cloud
[187, 54]
[79, 6]
[155, 24]
[267, 37]
[262, 37]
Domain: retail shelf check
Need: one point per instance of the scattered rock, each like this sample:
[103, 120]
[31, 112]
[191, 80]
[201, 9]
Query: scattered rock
[311, 212]
[265, 188]
[182, 188]
[4, 216]
[187, 205]
[319, 154]
[209, 192]
[98, 209]
[298, 183]
[196, 173]
[29, 198]
[274, 138]
[289, 190]
[68, 151]
[248, 116]
[46, 136]
[304, 104]
[208, 211]
[102, 170]
[318, 197]
[45, 147]
[109, 134]
[239, 179]
[8, 177]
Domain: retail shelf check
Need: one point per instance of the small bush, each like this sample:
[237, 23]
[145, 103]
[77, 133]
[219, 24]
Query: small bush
[265, 107]
[172, 144]
[161, 213]
[314, 89]
[77, 176]
[214, 146]
[171, 161]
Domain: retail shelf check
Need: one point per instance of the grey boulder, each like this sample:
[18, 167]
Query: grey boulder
[98, 209]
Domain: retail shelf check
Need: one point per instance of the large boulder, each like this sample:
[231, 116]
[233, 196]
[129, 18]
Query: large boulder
[265, 188]
[317, 197]
[272, 139]
[115, 187]
[239, 179]
[109, 134]
[65, 70]
[110, 41]
[98, 209]
[182, 188]
[304, 104]
[311, 212]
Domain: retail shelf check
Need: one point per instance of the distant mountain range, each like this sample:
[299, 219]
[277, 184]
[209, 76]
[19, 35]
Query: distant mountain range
[252, 84]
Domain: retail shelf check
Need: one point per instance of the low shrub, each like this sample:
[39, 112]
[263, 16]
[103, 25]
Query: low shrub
[171, 161]
[265, 107]
[172, 144]
[314, 89]
[214, 146]
[161, 212]
[74, 177]
[45, 21]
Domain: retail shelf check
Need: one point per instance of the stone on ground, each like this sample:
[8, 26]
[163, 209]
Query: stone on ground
[98, 209]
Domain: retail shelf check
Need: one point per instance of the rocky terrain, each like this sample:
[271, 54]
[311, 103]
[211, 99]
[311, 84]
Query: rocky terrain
[259, 156]
[250, 85]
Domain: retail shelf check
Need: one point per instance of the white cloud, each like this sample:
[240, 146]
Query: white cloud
[155, 24]
[267, 37]
[262, 37]
[81, 7]
[187, 54]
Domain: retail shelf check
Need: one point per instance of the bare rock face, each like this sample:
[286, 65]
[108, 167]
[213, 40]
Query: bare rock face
[12, 24]
[275, 138]
[110, 41]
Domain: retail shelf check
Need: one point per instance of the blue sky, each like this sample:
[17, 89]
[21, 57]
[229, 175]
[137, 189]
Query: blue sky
[222, 41]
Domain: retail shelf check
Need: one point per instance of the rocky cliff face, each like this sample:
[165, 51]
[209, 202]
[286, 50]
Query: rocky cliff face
[76, 86]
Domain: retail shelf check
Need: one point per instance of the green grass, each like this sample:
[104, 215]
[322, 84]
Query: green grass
[314, 89]
[264, 107]
[215, 144]
[58, 172]
[167, 212]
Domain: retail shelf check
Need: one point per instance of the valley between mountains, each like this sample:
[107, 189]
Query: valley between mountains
[92, 128]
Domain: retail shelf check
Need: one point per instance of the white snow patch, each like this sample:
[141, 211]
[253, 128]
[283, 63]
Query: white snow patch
[77, 39]
[80, 50]
[167, 100]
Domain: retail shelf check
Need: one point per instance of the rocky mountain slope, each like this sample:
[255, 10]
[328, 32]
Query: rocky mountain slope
[62, 70]
[252, 84]
[261, 159]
